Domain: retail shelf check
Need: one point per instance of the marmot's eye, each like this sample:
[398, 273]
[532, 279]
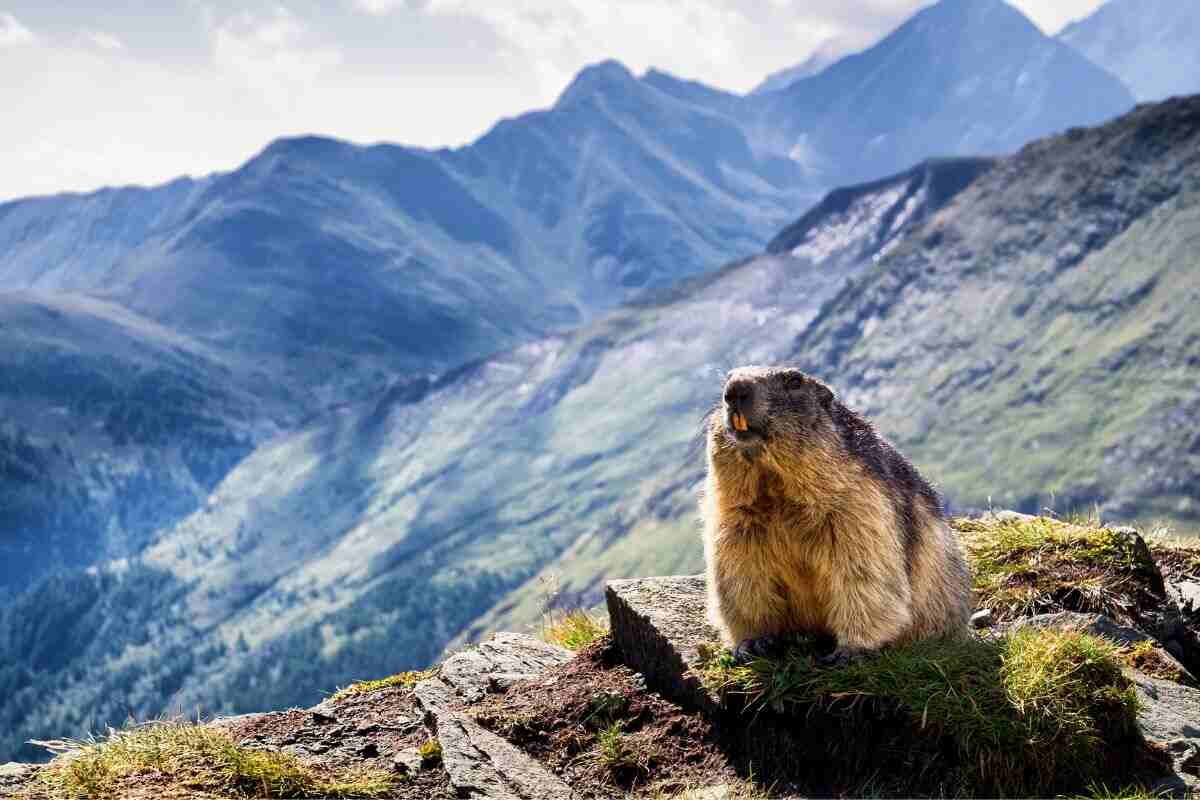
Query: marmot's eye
[793, 382]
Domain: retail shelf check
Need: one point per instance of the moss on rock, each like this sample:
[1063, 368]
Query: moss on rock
[403, 680]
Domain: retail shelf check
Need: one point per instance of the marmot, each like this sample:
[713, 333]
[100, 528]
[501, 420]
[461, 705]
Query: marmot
[813, 522]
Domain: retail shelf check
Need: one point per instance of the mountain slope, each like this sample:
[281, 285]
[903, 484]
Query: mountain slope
[1038, 341]
[105, 410]
[1148, 44]
[962, 77]
[366, 541]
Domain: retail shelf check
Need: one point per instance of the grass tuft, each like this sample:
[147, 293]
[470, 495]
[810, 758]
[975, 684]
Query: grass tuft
[573, 629]
[614, 752]
[430, 752]
[198, 757]
[1019, 714]
[404, 680]
[1032, 565]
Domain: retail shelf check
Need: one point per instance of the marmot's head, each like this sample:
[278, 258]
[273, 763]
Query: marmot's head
[774, 415]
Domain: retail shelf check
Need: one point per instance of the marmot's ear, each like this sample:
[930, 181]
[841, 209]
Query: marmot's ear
[824, 394]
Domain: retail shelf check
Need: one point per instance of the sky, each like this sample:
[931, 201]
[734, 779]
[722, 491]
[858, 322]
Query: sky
[120, 92]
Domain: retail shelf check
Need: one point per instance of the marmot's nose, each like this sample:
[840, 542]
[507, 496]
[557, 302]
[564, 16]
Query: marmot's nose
[739, 394]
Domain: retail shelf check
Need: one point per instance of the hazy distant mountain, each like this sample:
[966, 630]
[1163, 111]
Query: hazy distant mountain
[1151, 45]
[321, 272]
[824, 54]
[368, 539]
[960, 77]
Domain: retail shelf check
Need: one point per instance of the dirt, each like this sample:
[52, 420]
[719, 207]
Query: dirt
[559, 718]
[1177, 563]
[365, 730]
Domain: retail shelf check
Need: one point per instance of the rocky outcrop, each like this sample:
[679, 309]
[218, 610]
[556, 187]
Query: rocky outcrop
[659, 627]
[480, 763]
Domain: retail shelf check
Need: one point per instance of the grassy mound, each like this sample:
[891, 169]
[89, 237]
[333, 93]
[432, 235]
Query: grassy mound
[1034, 712]
[1033, 565]
[189, 759]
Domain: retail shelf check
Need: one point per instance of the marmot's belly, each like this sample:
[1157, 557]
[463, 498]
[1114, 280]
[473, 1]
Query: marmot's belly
[803, 586]
[806, 599]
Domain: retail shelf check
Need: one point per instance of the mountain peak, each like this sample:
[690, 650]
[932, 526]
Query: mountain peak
[604, 76]
[976, 13]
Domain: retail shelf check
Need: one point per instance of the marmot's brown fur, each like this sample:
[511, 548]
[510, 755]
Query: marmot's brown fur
[813, 522]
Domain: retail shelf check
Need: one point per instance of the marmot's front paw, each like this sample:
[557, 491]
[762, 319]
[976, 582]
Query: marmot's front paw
[760, 647]
[843, 656]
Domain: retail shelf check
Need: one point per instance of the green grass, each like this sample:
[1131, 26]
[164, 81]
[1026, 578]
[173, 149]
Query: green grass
[1019, 714]
[431, 752]
[404, 680]
[1029, 565]
[615, 753]
[573, 629]
[192, 756]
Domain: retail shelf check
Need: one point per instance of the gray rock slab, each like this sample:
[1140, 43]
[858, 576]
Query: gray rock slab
[498, 663]
[1170, 717]
[408, 761]
[480, 763]
[15, 776]
[659, 627]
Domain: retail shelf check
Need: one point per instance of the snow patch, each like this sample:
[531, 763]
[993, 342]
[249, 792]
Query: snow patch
[857, 224]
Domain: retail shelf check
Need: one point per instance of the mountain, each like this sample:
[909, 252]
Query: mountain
[1148, 44]
[106, 412]
[962, 77]
[370, 538]
[1036, 342]
[321, 272]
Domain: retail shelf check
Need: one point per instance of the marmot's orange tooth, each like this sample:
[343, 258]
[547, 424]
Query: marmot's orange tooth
[739, 422]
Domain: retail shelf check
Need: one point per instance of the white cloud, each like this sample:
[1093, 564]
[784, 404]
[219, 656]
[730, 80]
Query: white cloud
[425, 72]
[12, 32]
[278, 56]
[378, 7]
[105, 41]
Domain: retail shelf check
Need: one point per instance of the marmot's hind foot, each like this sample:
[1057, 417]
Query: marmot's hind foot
[760, 647]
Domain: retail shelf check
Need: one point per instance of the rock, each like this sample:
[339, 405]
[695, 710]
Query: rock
[1095, 624]
[982, 618]
[480, 763]
[408, 761]
[1187, 594]
[658, 625]
[499, 662]
[14, 777]
[1170, 717]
